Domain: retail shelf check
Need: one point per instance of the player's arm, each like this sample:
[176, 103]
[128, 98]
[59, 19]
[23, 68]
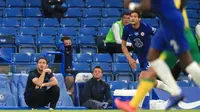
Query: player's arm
[144, 5]
[39, 81]
[131, 61]
[183, 4]
[53, 81]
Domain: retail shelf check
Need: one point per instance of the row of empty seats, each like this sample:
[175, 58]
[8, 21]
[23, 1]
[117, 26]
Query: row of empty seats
[76, 12]
[81, 3]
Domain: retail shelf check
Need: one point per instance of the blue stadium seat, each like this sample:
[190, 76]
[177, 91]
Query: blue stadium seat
[85, 40]
[87, 44]
[75, 3]
[47, 31]
[8, 30]
[113, 3]
[103, 30]
[102, 58]
[26, 44]
[13, 85]
[81, 67]
[82, 57]
[97, 3]
[7, 99]
[21, 57]
[6, 51]
[192, 14]
[87, 31]
[11, 22]
[35, 56]
[46, 43]
[132, 85]
[152, 22]
[107, 70]
[21, 88]
[111, 12]
[120, 58]
[107, 22]
[64, 99]
[2, 3]
[73, 12]
[117, 85]
[33, 3]
[15, 3]
[32, 12]
[193, 5]
[27, 31]
[86, 22]
[193, 23]
[30, 22]
[80, 80]
[122, 72]
[91, 12]
[70, 22]
[12, 12]
[67, 31]
[49, 22]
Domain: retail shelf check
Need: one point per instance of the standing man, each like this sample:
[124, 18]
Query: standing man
[36, 92]
[113, 39]
[139, 34]
[95, 90]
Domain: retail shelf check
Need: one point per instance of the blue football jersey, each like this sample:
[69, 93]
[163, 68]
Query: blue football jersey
[140, 38]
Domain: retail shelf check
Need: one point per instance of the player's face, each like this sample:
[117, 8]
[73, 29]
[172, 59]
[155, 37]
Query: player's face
[67, 42]
[134, 18]
[42, 64]
[97, 73]
[125, 20]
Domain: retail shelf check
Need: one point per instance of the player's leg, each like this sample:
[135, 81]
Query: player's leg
[186, 60]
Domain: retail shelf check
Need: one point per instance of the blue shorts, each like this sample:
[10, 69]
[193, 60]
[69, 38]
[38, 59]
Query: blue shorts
[171, 35]
[144, 65]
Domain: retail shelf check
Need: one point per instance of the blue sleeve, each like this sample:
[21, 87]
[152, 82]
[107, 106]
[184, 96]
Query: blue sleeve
[152, 30]
[125, 34]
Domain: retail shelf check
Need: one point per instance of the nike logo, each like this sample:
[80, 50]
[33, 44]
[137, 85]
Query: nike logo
[191, 105]
[130, 35]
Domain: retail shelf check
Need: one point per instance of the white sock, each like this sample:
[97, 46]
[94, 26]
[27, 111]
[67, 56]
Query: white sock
[165, 75]
[194, 70]
[163, 86]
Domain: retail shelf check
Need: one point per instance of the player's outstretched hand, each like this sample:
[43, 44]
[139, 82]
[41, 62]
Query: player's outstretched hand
[132, 63]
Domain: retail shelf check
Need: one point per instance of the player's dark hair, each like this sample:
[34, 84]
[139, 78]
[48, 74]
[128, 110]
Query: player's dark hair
[42, 58]
[65, 38]
[98, 68]
[126, 13]
[139, 14]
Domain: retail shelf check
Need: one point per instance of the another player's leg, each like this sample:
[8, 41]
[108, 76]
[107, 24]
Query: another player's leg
[145, 85]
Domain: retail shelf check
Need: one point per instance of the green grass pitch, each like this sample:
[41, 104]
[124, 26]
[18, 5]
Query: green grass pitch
[97, 111]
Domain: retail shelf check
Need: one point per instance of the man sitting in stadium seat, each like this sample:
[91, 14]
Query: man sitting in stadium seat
[94, 91]
[113, 39]
[36, 92]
